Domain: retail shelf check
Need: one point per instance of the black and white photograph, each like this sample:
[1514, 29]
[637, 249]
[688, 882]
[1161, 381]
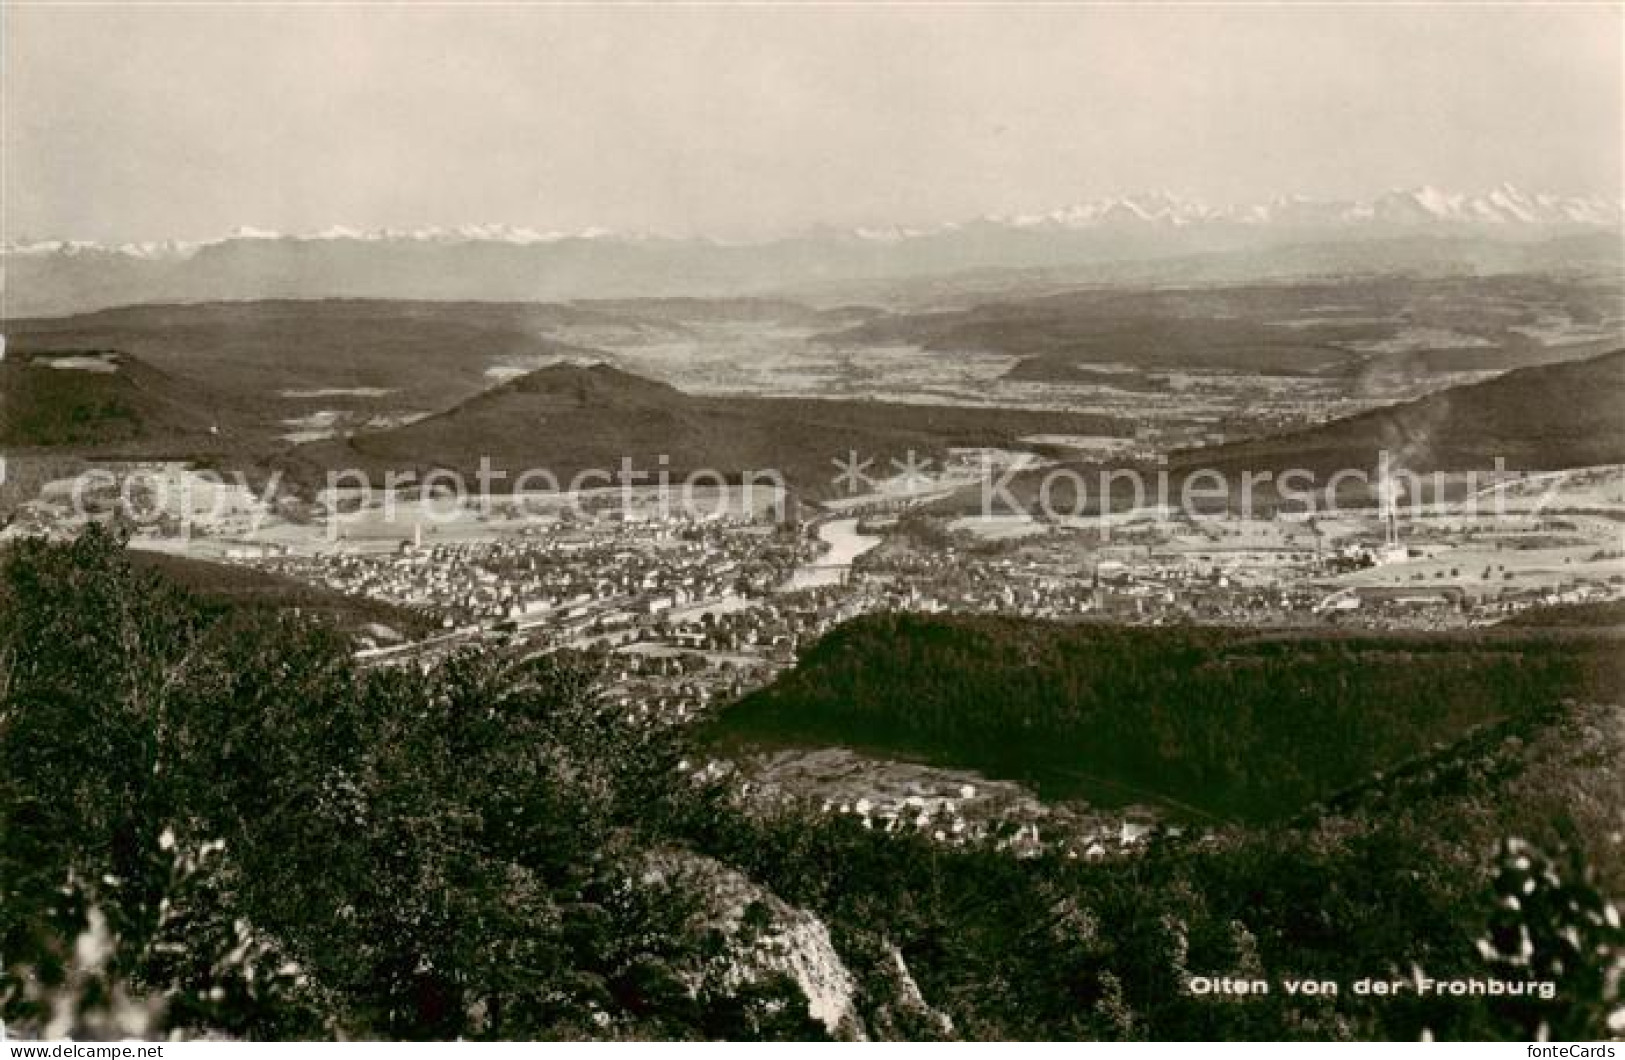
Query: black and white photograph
[811, 522]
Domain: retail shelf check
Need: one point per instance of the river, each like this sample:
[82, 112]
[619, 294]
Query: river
[831, 568]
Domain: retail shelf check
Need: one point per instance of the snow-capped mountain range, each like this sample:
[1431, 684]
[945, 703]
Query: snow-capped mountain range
[173, 248]
[1504, 207]
[1154, 236]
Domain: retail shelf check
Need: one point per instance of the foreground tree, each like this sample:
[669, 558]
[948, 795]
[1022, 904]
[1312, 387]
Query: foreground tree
[213, 822]
[260, 839]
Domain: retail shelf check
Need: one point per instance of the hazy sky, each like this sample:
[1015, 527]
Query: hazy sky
[172, 121]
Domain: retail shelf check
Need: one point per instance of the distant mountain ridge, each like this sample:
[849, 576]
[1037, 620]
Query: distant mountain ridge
[1504, 229]
[1502, 206]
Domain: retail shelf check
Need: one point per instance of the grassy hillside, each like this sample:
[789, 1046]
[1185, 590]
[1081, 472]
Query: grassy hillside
[1226, 723]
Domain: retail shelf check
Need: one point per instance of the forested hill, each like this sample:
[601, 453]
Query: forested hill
[574, 419]
[100, 399]
[1539, 418]
[214, 823]
[229, 587]
[1231, 723]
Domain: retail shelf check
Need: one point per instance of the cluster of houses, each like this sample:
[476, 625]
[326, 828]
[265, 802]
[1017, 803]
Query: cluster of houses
[961, 812]
[561, 575]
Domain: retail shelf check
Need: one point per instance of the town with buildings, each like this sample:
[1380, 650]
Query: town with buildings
[685, 611]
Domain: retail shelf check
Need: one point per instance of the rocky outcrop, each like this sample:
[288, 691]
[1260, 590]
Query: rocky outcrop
[769, 936]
